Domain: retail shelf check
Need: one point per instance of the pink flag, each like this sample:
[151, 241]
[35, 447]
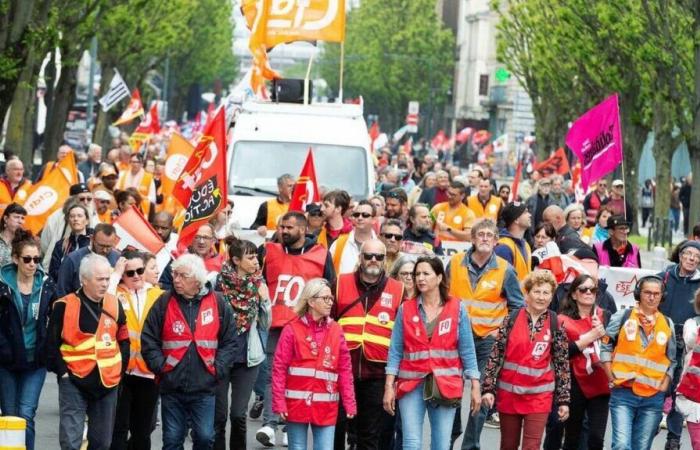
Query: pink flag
[596, 140]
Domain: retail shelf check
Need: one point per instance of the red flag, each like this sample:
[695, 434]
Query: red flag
[134, 231]
[439, 140]
[557, 163]
[516, 181]
[306, 189]
[151, 123]
[132, 111]
[374, 132]
[481, 137]
[202, 184]
[463, 135]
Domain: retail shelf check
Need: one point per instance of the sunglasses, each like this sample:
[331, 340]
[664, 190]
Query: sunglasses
[28, 259]
[131, 273]
[370, 256]
[357, 215]
[84, 199]
[587, 290]
[315, 214]
[396, 237]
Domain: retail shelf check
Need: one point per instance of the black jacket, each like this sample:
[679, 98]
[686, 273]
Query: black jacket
[13, 353]
[190, 375]
[75, 242]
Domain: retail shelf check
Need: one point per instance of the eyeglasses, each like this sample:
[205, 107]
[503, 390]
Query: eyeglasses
[651, 294]
[85, 199]
[203, 238]
[587, 289]
[357, 215]
[692, 255]
[390, 236]
[315, 213]
[406, 274]
[103, 202]
[28, 259]
[131, 273]
[327, 299]
[484, 235]
[370, 256]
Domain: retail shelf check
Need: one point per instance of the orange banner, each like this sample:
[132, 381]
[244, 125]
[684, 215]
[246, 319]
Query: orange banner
[49, 194]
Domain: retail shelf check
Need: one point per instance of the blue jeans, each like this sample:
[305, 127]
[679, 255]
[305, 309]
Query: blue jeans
[264, 371]
[472, 433]
[635, 419]
[180, 410]
[19, 396]
[298, 432]
[413, 409]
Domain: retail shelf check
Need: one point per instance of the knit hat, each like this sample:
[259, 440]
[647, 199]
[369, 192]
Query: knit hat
[511, 212]
[690, 243]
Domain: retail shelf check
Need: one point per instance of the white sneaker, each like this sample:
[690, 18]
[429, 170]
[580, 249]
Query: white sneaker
[662, 424]
[285, 442]
[266, 436]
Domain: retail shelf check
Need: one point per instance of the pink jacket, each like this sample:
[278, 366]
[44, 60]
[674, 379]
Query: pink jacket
[285, 353]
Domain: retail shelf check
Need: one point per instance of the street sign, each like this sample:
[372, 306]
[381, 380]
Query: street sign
[413, 107]
[412, 123]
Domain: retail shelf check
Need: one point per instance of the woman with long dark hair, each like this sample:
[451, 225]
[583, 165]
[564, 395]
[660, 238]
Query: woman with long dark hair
[77, 219]
[244, 288]
[11, 221]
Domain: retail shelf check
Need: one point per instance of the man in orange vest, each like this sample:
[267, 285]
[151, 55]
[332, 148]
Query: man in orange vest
[88, 349]
[270, 211]
[189, 343]
[512, 245]
[335, 205]
[485, 204]
[13, 185]
[490, 288]
[366, 304]
[136, 177]
[453, 220]
[346, 249]
[638, 354]
[286, 267]
[61, 153]
[138, 395]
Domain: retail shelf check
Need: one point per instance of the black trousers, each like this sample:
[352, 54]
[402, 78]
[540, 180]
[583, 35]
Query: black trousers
[241, 379]
[136, 405]
[373, 425]
[595, 410]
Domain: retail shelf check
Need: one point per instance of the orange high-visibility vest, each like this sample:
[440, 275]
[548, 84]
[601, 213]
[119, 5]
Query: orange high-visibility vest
[485, 302]
[488, 211]
[137, 365]
[275, 210]
[20, 195]
[521, 263]
[371, 329]
[83, 351]
[144, 189]
[643, 368]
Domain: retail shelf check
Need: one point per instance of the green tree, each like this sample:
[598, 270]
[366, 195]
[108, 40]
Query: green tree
[395, 51]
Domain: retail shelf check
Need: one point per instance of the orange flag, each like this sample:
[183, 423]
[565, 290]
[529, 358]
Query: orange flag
[49, 194]
[135, 231]
[133, 110]
[178, 153]
[557, 163]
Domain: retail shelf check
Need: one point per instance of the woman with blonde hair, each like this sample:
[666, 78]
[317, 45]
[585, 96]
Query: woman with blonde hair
[312, 370]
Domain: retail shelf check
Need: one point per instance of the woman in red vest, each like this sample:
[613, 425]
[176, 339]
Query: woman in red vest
[584, 324]
[688, 394]
[430, 355]
[529, 367]
[312, 370]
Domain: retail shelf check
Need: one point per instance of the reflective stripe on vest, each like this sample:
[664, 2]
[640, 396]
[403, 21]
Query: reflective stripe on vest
[643, 367]
[309, 396]
[177, 335]
[522, 263]
[311, 372]
[137, 365]
[485, 303]
[548, 387]
[82, 352]
[526, 370]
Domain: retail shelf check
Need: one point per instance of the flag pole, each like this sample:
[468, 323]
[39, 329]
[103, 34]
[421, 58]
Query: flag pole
[306, 80]
[342, 66]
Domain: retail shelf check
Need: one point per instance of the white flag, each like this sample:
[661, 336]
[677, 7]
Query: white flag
[117, 91]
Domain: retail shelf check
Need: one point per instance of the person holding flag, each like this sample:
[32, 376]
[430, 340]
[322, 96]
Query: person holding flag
[136, 177]
[270, 211]
[62, 152]
[13, 185]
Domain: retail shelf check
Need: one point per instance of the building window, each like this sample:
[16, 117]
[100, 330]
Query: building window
[484, 85]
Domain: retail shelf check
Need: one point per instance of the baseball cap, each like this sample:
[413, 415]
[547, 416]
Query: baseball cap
[617, 221]
[314, 209]
[511, 212]
[79, 188]
[106, 170]
[618, 183]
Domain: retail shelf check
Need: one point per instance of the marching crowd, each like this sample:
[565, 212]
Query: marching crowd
[351, 320]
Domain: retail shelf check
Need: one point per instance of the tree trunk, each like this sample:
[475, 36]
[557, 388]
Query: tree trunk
[100, 136]
[56, 122]
[634, 136]
[20, 126]
[663, 152]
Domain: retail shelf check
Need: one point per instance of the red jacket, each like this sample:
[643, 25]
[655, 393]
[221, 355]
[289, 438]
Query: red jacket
[287, 351]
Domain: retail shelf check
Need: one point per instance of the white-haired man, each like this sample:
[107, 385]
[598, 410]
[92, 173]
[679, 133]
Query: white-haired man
[88, 345]
[188, 342]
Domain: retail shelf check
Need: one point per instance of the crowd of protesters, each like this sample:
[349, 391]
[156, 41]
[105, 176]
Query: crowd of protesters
[352, 321]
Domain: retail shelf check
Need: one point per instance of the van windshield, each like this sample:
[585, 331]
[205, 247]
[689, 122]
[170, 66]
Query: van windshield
[256, 165]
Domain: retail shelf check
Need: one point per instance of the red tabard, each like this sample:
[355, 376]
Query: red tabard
[177, 335]
[372, 329]
[286, 276]
[311, 391]
[438, 354]
[526, 380]
[586, 365]
[690, 382]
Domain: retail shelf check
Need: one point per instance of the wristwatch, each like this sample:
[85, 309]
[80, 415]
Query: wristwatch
[449, 230]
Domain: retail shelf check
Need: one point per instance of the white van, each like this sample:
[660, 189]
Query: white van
[271, 139]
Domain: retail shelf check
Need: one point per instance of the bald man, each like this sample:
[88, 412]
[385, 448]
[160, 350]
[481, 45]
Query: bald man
[13, 185]
[567, 238]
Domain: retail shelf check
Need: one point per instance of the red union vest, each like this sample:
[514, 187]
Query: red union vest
[526, 380]
[586, 365]
[177, 335]
[286, 276]
[690, 382]
[371, 329]
[438, 354]
[311, 391]
[604, 258]
[82, 352]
